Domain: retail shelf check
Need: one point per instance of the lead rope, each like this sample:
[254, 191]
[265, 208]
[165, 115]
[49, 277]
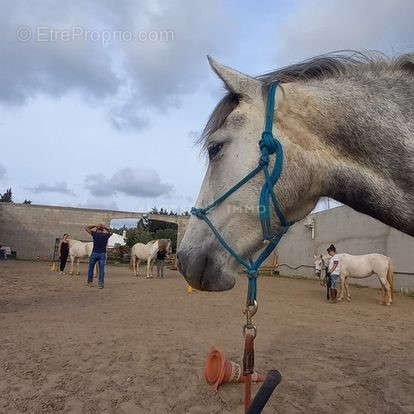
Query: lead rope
[249, 333]
[268, 145]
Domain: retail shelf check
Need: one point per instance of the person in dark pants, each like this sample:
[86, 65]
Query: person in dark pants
[100, 236]
[64, 252]
[2, 252]
[160, 262]
[328, 284]
[333, 272]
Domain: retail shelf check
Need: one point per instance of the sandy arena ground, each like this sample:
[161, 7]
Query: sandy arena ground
[139, 346]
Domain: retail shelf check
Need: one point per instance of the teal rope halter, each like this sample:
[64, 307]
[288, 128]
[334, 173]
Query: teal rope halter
[268, 146]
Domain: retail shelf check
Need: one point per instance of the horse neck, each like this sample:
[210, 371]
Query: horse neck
[374, 195]
[356, 144]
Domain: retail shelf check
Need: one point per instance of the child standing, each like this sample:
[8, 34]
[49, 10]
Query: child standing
[334, 272]
[160, 262]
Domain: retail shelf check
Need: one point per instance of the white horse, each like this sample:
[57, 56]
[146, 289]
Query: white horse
[321, 263]
[141, 251]
[337, 142]
[362, 266]
[77, 250]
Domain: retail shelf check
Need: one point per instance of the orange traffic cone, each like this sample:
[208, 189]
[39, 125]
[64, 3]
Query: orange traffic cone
[219, 370]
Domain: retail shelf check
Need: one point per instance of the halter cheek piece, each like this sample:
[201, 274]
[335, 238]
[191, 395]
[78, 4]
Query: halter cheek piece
[268, 145]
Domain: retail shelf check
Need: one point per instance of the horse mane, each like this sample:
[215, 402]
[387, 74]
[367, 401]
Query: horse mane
[345, 63]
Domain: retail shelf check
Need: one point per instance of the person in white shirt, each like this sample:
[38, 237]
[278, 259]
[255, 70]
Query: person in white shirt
[334, 271]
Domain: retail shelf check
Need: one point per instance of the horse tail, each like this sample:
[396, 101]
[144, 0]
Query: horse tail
[130, 260]
[390, 276]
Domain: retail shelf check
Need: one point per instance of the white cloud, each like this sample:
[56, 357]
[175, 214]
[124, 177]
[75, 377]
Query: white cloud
[131, 57]
[59, 188]
[314, 28]
[128, 181]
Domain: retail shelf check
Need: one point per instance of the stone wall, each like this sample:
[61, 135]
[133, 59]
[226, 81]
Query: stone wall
[31, 229]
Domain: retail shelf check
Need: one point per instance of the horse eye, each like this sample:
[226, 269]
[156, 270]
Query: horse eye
[214, 149]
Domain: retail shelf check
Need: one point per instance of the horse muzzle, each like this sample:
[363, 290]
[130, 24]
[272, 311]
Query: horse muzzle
[203, 271]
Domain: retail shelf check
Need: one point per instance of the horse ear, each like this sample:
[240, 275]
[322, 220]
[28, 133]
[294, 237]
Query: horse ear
[235, 81]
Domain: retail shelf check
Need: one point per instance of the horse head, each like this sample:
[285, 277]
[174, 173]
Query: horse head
[318, 263]
[165, 245]
[231, 140]
[320, 116]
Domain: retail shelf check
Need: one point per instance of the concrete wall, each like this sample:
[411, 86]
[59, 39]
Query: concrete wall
[31, 230]
[352, 233]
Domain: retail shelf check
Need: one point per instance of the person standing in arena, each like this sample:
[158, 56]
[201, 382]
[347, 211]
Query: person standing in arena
[100, 235]
[334, 271]
[64, 252]
[161, 254]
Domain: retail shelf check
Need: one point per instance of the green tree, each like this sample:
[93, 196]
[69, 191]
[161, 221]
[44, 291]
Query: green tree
[142, 223]
[156, 230]
[7, 197]
[138, 236]
[154, 225]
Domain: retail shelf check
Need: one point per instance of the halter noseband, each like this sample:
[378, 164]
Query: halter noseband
[268, 145]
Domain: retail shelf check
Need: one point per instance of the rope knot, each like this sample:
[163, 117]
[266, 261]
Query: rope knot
[268, 143]
[252, 273]
[198, 212]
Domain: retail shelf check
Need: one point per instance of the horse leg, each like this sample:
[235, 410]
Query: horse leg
[138, 262]
[341, 294]
[134, 268]
[348, 295]
[78, 272]
[387, 288]
[148, 267]
[383, 293]
[382, 300]
[71, 265]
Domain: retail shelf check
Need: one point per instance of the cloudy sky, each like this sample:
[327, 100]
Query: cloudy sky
[100, 101]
